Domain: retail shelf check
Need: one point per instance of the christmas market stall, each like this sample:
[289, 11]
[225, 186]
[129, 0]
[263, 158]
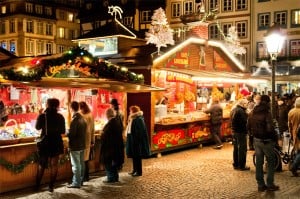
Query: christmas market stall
[25, 87]
[194, 73]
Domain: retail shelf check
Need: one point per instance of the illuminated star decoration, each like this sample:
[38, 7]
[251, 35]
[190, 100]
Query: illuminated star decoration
[114, 10]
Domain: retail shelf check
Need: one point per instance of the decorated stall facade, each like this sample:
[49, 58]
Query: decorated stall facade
[193, 73]
[74, 75]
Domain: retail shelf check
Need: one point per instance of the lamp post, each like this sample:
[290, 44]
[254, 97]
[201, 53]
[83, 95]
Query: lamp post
[274, 41]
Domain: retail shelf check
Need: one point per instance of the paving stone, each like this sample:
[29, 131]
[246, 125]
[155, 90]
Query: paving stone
[191, 173]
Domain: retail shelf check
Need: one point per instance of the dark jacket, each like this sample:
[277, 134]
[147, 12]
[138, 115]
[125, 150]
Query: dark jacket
[76, 133]
[260, 123]
[137, 143]
[239, 120]
[216, 114]
[55, 127]
[283, 111]
[112, 144]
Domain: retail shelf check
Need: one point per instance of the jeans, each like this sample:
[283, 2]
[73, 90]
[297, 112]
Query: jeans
[77, 161]
[296, 162]
[111, 172]
[239, 149]
[262, 150]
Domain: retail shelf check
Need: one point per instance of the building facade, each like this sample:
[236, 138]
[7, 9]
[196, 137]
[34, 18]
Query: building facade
[32, 27]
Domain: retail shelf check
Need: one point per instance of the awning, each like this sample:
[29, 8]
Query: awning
[87, 83]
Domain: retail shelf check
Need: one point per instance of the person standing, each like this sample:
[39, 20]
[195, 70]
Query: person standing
[119, 116]
[112, 147]
[260, 124]
[239, 129]
[53, 127]
[76, 137]
[293, 124]
[89, 136]
[282, 117]
[137, 143]
[216, 118]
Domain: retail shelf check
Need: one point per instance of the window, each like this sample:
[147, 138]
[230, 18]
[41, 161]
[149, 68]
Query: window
[97, 24]
[226, 27]
[175, 10]
[241, 28]
[39, 47]
[227, 5]
[3, 9]
[29, 26]
[146, 16]
[40, 29]
[61, 15]
[48, 11]
[295, 48]
[213, 4]
[12, 8]
[4, 44]
[61, 33]
[38, 9]
[29, 46]
[72, 34]
[12, 46]
[263, 21]
[70, 17]
[213, 32]
[128, 21]
[280, 18]
[61, 49]
[49, 28]
[29, 7]
[188, 7]
[2, 27]
[12, 26]
[49, 48]
[295, 18]
[262, 52]
[242, 4]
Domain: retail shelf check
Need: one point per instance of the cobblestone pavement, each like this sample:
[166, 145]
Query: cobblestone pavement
[190, 173]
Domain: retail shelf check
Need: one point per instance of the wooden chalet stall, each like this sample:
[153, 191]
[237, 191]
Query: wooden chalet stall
[193, 73]
[74, 75]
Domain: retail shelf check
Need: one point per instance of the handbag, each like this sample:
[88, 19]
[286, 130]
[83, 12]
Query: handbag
[42, 141]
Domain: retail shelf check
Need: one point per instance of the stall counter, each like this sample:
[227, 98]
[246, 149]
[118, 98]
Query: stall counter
[180, 134]
[18, 165]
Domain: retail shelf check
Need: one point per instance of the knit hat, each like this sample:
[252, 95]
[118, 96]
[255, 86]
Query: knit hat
[265, 98]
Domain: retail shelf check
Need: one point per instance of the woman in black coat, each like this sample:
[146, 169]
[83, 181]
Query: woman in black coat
[137, 144]
[53, 126]
[112, 147]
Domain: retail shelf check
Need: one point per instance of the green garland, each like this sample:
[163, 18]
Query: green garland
[99, 69]
[32, 158]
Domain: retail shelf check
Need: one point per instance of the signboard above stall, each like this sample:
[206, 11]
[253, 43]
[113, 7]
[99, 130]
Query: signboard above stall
[75, 68]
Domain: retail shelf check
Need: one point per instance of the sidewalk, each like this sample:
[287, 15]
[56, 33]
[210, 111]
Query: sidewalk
[191, 173]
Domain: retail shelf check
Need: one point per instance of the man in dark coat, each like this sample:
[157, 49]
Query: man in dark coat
[112, 147]
[260, 124]
[238, 117]
[216, 118]
[76, 137]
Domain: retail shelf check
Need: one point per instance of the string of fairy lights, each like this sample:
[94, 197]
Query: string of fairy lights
[78, 58]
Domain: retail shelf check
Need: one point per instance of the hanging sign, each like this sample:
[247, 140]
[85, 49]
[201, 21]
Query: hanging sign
[177, 77]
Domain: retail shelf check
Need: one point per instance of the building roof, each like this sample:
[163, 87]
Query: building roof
[111, 29]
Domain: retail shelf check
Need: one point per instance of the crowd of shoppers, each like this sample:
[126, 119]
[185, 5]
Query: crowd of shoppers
[249, 117]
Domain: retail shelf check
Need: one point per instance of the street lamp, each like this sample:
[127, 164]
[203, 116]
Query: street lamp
[274, 40]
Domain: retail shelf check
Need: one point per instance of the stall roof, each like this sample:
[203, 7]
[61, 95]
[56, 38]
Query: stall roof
[87, 83]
